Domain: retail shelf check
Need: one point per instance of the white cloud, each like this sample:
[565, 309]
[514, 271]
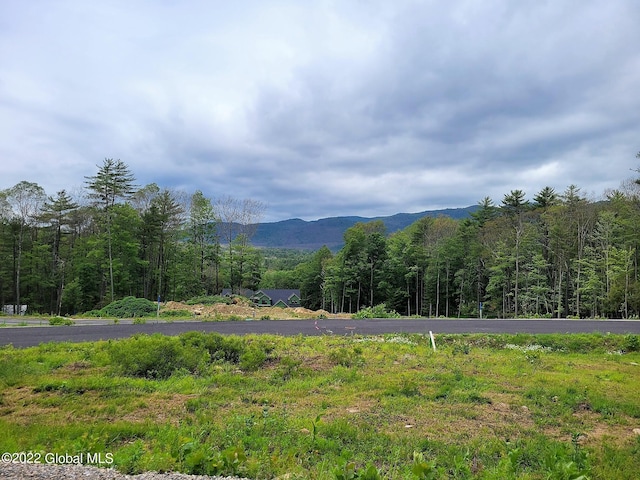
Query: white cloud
[323, 109]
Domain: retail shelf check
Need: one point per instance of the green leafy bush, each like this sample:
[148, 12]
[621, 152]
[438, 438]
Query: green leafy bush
[130, 307]
[253, 358]
[154, 356]
[218, 348]
[377, 311]
[60, 321]
[631, 343]
[208, 300]
[346, 357]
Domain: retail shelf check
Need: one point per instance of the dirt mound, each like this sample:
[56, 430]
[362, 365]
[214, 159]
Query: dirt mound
[242, 310]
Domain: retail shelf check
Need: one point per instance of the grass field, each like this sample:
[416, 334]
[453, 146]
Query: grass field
[486, 407]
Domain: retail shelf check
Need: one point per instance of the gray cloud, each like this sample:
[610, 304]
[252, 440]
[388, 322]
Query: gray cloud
[334, 108]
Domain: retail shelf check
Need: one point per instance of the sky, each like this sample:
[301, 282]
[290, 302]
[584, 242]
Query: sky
[324, 108]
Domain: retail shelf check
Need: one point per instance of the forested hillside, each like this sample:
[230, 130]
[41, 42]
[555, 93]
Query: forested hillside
[329, 232]
[556, 254]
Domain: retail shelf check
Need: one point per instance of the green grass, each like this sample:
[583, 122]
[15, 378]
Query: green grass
[485, 407]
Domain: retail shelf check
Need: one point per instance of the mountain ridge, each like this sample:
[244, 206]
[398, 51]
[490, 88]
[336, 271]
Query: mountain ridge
[301, 234]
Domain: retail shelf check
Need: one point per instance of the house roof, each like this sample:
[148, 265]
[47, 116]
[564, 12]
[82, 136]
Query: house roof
[276, 295]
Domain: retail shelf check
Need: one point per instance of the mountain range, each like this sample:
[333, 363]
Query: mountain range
[312, 235]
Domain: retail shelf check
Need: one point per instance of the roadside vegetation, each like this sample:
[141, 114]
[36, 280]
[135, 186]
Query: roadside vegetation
[329, 407]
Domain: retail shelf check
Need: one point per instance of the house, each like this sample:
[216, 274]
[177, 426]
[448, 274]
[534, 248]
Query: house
[276, 297]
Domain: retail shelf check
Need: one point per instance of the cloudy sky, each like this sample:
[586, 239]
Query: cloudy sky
[323, 108]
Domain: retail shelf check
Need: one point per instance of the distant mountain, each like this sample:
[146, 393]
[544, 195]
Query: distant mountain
[303, 235]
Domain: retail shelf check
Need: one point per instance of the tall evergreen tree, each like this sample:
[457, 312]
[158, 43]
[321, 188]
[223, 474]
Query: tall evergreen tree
[57, 212]
[113, 182]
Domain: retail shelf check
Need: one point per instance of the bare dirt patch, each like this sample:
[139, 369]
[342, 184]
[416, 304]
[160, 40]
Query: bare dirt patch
[242, 309]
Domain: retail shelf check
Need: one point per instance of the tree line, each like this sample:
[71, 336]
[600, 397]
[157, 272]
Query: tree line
[64, 255]
[556, 255]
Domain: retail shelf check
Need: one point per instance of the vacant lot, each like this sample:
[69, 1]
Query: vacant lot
[491, 407]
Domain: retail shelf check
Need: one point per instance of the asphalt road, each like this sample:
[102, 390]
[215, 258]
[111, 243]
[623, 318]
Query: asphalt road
[27, 336]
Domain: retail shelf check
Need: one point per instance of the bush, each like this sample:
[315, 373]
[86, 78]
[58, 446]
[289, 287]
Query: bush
[377, 311]
[130, 307]
[60, 321]
[252, 359]
[218, 348]
[208, 300]
[631, 343]
[154, 357]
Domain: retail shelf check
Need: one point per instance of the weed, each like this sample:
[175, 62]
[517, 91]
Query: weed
[631, 343]
[346, 357]
[61, 321]
[423, 469]
[348, 471]
[459, 348]
[253, 358]
[176, 313]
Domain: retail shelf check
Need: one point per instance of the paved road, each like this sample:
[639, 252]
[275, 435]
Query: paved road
[34, 335]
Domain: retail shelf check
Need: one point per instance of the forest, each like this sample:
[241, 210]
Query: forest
[559, 254]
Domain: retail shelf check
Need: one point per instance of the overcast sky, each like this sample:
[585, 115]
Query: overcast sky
[323, 108]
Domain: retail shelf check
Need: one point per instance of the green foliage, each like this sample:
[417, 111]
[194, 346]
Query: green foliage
[153, 357]
[60, 321]
[158, 357]
[219, 348]
[347, 357]
[631, 343]
[176, 313]
[130, 307]
[348, 471]
[200, 459]
[252, 358]
[208, 300]
[423, 469]
[377, 311]
[196, 404]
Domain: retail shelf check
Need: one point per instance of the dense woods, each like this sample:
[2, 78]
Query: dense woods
[559, 254]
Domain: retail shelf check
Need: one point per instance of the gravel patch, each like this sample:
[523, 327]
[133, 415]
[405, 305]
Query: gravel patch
[40, 471]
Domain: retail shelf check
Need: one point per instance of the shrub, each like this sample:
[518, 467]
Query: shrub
[377, 311]
[219, 348]
[631, 343]
[253, 358]
[60, 321]
[153, 356]
[208, 300]
[347, 358]
[130, 307]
